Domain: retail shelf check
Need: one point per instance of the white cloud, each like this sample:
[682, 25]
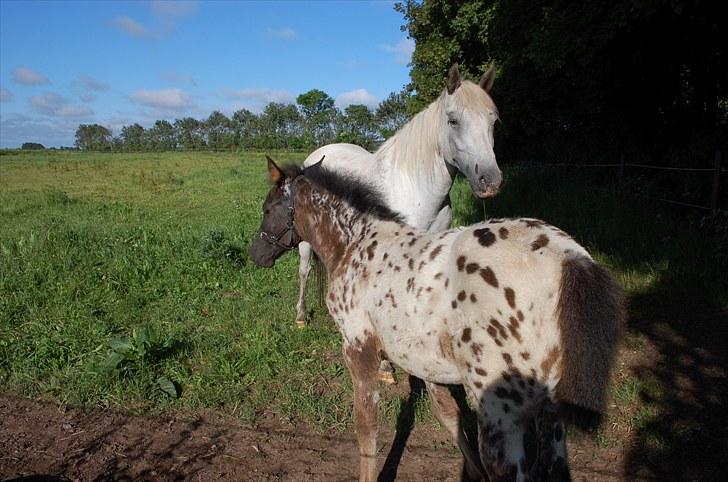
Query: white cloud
[173, 76]
[168, 99]
[5, 95]
[285, 33]
[54, 105]
[402, 51]
[132, 28]
[92, 84]
[261, 94]
[87, 97]
[26, 76]
[176, 9]
[358, 96]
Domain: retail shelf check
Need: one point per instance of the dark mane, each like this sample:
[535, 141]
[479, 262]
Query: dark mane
[360, 195]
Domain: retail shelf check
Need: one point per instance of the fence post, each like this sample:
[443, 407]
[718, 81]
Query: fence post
[716, 182]
[621, 167]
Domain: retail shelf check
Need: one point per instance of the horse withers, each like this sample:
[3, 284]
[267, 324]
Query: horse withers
[414, 170]
[513, 310]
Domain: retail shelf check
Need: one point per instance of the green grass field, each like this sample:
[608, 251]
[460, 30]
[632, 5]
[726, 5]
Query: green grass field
[125, 281]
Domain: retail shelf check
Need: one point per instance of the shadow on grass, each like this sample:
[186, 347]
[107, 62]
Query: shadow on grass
[674, 265]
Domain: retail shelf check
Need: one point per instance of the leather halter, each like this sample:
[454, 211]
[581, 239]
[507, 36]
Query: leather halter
[289, 228]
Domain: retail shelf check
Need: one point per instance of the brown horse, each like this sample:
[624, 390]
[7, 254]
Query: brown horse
[514, 310]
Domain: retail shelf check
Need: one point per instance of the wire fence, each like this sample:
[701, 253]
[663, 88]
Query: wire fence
[717, 170]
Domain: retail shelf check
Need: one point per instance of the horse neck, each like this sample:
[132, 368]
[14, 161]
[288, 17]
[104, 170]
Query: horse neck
[414, 152]
[327, 223]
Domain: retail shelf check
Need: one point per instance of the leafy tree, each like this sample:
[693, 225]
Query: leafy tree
[93, 137]
[583, 78]
[281, 126]
[190, 133]
[246, 127]
[392, 113]
[219, 131]
[319, 115]
[132, 137]
[358, 126]
[161, 136]
[32, 146]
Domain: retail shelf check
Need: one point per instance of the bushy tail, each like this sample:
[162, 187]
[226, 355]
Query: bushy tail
[592, 317]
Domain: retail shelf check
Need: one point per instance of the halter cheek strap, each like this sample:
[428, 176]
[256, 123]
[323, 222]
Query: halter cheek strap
[289, 228]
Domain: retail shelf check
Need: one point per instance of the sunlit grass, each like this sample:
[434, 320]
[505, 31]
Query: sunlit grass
[94, 246]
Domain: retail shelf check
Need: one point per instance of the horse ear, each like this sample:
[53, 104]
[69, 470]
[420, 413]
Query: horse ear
[486, 82]
[275, 173]
[453, 78]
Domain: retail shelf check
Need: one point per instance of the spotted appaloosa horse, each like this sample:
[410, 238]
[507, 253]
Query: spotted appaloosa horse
[514, 310]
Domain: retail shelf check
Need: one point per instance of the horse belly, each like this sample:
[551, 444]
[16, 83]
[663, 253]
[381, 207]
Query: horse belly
[421, 355]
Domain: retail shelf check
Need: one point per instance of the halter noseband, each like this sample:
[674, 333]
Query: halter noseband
[289, 228]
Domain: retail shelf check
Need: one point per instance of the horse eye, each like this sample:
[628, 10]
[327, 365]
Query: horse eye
[452, 122]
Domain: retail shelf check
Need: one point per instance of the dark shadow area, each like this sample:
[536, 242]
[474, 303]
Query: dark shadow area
[674, 262]
[405, 422]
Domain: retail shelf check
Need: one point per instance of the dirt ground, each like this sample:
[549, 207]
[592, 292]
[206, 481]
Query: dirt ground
[687, 440]
[41, 441]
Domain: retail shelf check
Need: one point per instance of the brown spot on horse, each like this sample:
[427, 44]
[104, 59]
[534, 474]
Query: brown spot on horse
[540, 242]
[489, 277]
[510, 297]
[485, 236]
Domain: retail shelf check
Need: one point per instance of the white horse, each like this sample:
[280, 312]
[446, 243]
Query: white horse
[414, 170]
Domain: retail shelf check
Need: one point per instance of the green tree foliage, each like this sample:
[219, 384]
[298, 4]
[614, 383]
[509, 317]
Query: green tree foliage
[583, 78]
[319, 117]
[132, 137]
[358, 126]
[312, 122]
[93, 137]
[392, 113]
[32, 146]
[161, 137]
[281, 126]
[190, 133]
[220, 133]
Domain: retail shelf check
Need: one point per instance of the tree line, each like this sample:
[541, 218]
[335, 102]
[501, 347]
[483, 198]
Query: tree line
[313, 121]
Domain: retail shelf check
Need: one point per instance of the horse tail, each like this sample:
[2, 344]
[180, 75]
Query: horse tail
[591, 314]
[319, 271]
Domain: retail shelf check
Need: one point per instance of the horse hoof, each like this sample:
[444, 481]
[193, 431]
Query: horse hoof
[300, 324]
[387, 378]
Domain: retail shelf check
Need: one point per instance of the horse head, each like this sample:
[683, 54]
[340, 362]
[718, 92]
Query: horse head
[467, 141]
[277, 233]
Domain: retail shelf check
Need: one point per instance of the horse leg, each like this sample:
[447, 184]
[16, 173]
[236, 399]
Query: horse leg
[552, 440]
[500, 439]
[446, 410]
[442, 220]
[304, 268]
[362, 359]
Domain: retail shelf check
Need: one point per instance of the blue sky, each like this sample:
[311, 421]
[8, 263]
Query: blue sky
[63, 63]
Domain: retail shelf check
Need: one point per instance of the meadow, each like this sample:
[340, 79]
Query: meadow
[125, 282]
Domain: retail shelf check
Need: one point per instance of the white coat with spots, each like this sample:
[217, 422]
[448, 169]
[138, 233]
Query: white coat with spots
[512, 309]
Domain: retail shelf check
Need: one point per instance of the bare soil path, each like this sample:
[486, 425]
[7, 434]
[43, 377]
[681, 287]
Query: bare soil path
[41, 441]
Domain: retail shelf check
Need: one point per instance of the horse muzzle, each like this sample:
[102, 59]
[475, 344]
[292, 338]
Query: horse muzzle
[487, 186]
